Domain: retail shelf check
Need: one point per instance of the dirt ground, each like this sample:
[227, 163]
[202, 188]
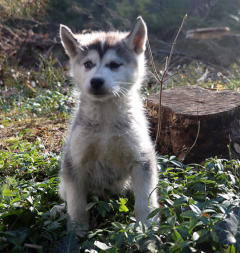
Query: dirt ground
[50, 132]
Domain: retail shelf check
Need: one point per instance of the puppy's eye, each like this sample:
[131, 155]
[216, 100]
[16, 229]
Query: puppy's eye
[89, 64]
[114, 65]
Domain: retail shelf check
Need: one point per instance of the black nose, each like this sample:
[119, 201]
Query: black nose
[97, 83]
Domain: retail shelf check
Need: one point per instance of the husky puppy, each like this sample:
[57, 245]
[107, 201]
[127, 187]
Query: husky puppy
[108, 146]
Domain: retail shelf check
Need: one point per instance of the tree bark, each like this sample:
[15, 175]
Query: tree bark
[197, 123]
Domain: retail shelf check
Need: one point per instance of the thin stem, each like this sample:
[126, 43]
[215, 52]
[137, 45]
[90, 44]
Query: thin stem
[162, 79]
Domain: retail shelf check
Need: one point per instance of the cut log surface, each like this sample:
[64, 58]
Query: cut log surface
[208, 33]
[197, 123]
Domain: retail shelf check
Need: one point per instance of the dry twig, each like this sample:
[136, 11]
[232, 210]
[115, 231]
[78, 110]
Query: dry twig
[188, 150]
[161, 79]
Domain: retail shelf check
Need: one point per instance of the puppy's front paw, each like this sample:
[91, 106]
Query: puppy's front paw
[80, 232]
[153, 221]
[80, 228]
[153, 217]
[148, 216]
[57, 210]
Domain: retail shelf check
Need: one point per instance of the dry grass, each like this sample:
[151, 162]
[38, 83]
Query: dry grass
[22, 8]
[51, 133]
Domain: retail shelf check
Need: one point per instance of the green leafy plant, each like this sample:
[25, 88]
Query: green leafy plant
[199, 210]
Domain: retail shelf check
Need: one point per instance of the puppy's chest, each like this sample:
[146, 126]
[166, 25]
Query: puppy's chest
[107, 160]
[112, 152]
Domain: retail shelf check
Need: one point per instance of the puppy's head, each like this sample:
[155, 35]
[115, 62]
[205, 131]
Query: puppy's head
[106, 64]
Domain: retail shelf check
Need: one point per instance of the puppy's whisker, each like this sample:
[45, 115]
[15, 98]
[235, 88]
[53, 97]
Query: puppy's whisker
[121, 82]
[115, 93]
[123, 93]
[122, 90]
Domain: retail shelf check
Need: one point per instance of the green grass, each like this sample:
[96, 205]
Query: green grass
[35, 93]
[199, 210]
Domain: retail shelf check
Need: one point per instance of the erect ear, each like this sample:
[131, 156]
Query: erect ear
[137, 38]
[69, 42]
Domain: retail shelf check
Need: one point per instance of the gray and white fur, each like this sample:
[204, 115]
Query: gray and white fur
[108, 145]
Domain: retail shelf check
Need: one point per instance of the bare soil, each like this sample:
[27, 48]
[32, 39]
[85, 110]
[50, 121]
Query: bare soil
[51, 133]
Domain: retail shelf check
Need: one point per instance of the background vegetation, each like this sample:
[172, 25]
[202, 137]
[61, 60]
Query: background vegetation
[199, 203]
[162, 17]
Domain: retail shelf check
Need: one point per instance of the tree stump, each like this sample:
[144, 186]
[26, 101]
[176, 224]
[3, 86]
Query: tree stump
[197, 123]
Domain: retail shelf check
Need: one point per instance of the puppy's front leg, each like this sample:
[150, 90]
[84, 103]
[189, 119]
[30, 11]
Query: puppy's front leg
[76, 197]
[144, 179]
